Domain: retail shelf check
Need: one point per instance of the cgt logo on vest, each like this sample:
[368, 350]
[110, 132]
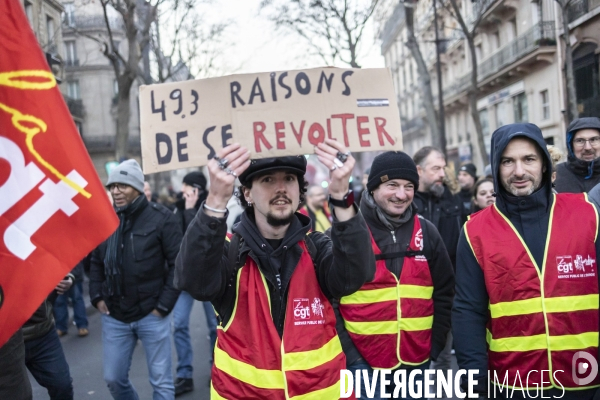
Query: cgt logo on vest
[302, 312]
[578, 268]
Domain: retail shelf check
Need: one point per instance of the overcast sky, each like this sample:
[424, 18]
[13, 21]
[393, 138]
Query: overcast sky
[259, 48]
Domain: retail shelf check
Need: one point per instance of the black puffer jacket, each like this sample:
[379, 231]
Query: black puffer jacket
[446, 215]
[575, 175]
[343, 264]
[530, 216]
[440, 268]
[151, 240]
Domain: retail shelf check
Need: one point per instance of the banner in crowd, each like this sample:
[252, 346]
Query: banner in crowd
[53, 208]
[184, 124]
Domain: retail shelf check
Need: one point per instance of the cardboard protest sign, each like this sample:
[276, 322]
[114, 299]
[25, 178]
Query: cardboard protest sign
[183, 124]
[53, 208]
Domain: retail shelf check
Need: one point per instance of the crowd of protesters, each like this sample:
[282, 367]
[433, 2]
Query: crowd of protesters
[421, 264]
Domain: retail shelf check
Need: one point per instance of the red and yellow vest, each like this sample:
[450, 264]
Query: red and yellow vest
[388, 319]
[539, 318]
[251, 361]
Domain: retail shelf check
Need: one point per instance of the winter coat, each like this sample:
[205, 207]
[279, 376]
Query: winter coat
[151, 240]
[440, 267]
[530, 216]
[446, 215]
[343, 264]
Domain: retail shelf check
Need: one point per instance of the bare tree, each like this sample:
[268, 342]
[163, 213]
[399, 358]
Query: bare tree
[137, 18]
[424, 77]
[333, 28]
[181, 33]
[573, 111]
[472, 92]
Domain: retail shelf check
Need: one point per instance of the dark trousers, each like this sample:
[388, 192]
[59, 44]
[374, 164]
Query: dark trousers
[46, 361]
[14, 381]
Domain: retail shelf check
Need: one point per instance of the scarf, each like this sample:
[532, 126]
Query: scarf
[392, 223]
[113, 259]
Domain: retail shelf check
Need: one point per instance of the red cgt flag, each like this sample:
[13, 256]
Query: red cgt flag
[53, 208]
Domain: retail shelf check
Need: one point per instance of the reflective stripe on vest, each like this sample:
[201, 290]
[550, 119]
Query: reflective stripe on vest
[250, 359]
[390, 320]
[540, 318]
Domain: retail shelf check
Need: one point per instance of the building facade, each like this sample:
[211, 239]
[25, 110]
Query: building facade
[520, 74]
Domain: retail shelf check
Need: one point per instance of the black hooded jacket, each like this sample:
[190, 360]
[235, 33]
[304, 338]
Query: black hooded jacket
[530, 215]
[343, 263]
[575, 175]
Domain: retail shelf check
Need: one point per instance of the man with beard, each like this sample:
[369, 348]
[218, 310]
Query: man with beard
[317, 209]
[581, 172]
[436, 203]
[270, 283]
[413, 270]
[526, 300]
[467, 176]
[434, 200]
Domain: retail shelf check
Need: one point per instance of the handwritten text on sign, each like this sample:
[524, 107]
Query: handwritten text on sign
[184, 124]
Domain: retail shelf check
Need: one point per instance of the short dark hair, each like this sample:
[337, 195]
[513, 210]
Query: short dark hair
[424, 152]
[239, 193]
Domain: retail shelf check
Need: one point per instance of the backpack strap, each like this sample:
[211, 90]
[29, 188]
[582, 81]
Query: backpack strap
[312, 249]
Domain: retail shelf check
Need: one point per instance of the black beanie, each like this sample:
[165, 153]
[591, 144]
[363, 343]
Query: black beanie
[392, 165]
[195, 179]
[470, 169]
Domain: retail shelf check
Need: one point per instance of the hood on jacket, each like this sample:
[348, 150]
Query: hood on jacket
[500, 139]
[577, 125]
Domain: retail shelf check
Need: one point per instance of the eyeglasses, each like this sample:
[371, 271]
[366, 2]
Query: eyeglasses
[580, 142]
[121, 187]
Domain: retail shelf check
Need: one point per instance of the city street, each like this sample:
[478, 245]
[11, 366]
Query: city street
[84, 356]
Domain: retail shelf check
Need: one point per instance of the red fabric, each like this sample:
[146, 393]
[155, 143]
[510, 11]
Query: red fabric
[512, 275]
[39, 147]
[390, 350]
[252, 337]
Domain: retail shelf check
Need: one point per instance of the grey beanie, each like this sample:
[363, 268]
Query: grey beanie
[129, 173]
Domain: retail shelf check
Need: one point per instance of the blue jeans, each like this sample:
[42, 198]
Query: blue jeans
[362, 365]
[119, 340]
[61, 309]
[46, 361]
[181, 332]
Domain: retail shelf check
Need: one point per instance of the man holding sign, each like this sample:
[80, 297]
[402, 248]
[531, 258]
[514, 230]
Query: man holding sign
[270, 282]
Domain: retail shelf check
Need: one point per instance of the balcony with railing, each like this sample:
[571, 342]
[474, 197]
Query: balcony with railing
[90, 22]
[541, 36]
[76, 107]
[106, 143]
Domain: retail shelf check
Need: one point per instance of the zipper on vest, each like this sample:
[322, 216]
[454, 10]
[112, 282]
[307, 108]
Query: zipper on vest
[393, 236]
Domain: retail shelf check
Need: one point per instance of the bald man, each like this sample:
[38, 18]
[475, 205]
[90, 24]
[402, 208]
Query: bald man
[317, 209]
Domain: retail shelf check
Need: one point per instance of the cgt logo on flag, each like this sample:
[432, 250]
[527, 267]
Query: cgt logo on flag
[53, 208]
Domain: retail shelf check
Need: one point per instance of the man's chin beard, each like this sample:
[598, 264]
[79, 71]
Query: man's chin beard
[279, 221]
[437, 190]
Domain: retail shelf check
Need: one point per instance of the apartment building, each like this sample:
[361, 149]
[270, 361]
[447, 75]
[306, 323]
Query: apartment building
[44, 17]
[520, 78]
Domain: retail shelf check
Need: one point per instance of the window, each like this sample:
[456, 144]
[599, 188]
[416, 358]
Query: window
[115, 87]
[485, 129]
[545, 104]
[478, 52]
[69, 17]
[50, 29]
[29, 12]
[520, 108]
[71, 53]
[499, 114]
[79, 126]
[73, 89]
[495, 41]
[512, 26]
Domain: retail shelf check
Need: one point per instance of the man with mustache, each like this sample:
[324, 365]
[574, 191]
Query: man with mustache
[270, 282]
[526, 301]
[317, 209]
[581, 172]
[413, 268]
[436, 203]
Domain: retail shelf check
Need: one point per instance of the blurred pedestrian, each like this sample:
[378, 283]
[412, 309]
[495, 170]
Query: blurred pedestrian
[467, 176]
[75, 293]
[317, 209]
[193, 195]
[14, 380]
[483, 195]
